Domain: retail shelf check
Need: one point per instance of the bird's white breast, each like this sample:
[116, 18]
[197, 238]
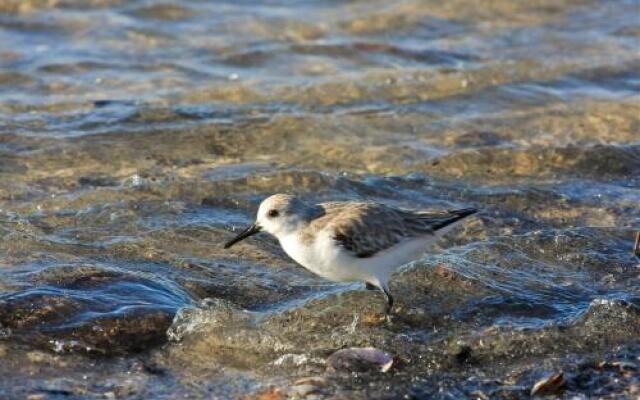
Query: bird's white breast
[322, 256]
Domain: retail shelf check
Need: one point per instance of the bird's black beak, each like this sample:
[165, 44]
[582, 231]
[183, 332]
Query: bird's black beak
[252, 230]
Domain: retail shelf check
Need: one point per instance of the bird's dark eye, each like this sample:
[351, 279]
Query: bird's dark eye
[273, 213]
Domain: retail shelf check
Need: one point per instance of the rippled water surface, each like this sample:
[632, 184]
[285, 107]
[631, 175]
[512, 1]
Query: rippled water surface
[135, 136]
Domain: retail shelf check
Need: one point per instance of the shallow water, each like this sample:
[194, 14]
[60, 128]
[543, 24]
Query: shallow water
[135, 136]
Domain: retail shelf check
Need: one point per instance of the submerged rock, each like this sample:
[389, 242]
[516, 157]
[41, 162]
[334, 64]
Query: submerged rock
[53, 312]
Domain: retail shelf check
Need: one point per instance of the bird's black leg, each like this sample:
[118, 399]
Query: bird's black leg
[389, 306]
[387, 295]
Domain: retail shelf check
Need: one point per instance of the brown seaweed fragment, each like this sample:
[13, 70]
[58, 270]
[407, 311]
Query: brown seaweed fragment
[550, 385]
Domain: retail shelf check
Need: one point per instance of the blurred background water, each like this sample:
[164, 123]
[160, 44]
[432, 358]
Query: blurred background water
[136, 135]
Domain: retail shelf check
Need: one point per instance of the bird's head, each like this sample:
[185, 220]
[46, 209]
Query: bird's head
[279, 215]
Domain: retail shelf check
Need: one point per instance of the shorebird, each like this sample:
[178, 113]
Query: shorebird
[351, 241]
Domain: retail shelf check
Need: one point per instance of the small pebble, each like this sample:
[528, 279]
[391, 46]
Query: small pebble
[303, 390]
[359, 359]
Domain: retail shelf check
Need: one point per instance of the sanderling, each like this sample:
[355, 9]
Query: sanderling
[351, 241]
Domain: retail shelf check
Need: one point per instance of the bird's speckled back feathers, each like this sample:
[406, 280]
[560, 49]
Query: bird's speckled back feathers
[365, 229]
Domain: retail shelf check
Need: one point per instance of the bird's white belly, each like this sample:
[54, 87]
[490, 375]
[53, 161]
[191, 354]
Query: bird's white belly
[323, 257]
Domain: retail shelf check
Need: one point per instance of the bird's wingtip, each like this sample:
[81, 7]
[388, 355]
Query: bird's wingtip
[464, 212]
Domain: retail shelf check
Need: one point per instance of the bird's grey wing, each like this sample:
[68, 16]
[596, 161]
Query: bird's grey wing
[367, 229]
